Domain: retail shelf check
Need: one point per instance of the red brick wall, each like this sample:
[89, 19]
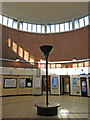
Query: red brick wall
[66, 45]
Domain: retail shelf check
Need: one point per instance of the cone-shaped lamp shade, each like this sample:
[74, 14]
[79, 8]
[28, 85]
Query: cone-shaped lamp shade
[46, 49]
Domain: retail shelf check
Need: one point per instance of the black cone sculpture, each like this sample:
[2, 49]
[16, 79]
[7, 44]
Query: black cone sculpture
[46, 49]
[42, 108]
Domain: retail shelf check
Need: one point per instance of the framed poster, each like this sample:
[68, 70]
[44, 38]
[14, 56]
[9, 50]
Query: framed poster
[37, 82]
[0, 83]
[54, 82]
[29, 82]
[22, 82]
[10, 83]
[74, 83]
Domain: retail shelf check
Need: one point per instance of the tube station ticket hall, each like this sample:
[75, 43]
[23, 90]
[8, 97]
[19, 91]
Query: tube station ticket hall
[78, 85]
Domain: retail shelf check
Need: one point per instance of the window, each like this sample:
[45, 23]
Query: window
[21, 26]
[86, 64]
[70, 25]
[43, 29]
[32, 60]
[74, 65]
[81, 22]
[52, 28]
[52, 65]
[57, 27]
[5, 20]
[10, 22]
[43, 65]
[29, 27]
[0, 19]
[62, 27]
[33, 27]
[39, 28]
[80, 64]
[14, 47]
[20, 52]
[67, 26]
[86, 20]
[24, 26]
[26, 55]
[15, 24]
[48, 28]
[58, 65]
[76, 24]
[9, 42]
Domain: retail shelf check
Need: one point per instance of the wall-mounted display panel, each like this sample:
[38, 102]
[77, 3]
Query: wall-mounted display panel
[29, 82]
[22, 82]
[10, 83]
[26, 82]
[55, 85]
[0, 83]
[75, 86]
[37, 86]
[83, 86]
[54, 82]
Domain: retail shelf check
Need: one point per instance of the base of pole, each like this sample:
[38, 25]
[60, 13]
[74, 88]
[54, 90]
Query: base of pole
[47, 110]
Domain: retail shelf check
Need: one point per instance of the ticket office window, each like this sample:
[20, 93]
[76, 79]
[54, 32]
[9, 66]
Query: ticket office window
[26, 82]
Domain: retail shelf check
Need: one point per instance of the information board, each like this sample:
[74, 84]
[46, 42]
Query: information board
[54, 82]
[74, 83]
[10, 82]
[22, 82]
[37, 83]
[0, 82]
[29, 82]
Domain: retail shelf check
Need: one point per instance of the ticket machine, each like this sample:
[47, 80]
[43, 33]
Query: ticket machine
[83, 86]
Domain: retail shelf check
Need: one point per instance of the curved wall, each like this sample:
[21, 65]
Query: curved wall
[67, 45]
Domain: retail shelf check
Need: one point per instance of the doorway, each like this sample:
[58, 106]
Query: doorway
[65, 85]
[44, 84]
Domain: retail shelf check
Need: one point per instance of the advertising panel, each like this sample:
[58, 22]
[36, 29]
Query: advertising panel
[54, 82]
[10, 82]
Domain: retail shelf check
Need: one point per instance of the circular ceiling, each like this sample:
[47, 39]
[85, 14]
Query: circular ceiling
[45, 12]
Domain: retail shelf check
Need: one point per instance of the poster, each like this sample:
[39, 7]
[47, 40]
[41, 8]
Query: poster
[29, 82]
[10, 82]
[54, 82]
[74, 83]
[0, 82]
[37, 83]
[22, 82]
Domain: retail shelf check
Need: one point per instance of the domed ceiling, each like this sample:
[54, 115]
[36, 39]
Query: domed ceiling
[45, 12]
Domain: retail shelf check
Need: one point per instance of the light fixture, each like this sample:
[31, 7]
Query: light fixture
[46, 49]
[74, 60]
[47, 109]
[17, 59]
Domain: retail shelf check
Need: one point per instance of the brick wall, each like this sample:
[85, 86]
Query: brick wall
[66, 45]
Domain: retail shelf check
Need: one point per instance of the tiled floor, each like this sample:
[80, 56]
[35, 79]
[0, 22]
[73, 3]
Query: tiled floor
[23, 107]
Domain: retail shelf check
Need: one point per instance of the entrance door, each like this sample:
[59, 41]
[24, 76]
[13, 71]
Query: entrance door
[65, 84]
[83, 86]
[44, 84]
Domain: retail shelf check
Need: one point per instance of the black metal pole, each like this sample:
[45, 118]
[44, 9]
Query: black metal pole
[47, 80]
